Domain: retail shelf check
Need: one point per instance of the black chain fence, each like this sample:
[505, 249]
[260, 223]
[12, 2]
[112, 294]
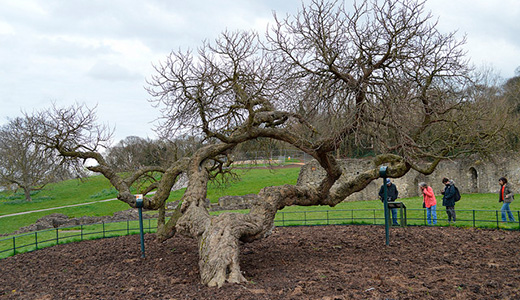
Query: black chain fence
[491, 219]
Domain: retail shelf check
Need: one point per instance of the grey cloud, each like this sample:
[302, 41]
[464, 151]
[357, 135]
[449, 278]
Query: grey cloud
[62, 47]
[103, 70]
[70, 49]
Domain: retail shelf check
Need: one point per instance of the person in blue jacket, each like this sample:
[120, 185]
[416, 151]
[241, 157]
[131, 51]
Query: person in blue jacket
[448, 199]
[391, 194]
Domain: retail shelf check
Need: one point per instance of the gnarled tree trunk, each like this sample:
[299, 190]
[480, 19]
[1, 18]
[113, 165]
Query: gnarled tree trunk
[219, 251]
[219, 236]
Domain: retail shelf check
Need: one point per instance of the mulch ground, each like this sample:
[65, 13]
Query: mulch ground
[329, 262]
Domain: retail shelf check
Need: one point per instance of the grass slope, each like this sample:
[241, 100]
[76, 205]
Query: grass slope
[98, 188]
[251, 181]
[63, 193]
[482, 207]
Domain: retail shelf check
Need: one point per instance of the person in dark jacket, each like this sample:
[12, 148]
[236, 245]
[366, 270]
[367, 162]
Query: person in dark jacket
[391, 194]
[505, 194]
[448, 199]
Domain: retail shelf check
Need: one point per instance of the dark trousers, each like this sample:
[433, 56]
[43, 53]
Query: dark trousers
[394, 216]
[450, 210]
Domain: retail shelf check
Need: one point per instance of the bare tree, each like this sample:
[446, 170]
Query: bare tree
[134, 152]
[24, 163]
[380, 75]
[510, 94]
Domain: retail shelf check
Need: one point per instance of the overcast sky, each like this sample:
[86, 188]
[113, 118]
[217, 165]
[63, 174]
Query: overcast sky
[100, 52]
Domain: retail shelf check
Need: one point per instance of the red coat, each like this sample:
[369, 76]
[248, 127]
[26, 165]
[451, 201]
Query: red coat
[429, 197]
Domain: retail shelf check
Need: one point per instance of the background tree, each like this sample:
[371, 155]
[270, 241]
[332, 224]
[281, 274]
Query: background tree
[134, 152]
[24, 164]
[380, 76]
[510, 94]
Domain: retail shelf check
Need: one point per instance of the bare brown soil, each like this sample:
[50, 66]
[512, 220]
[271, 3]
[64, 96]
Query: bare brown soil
[329, 262]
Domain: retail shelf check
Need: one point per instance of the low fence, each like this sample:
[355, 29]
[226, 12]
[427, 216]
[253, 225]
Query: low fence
[280, 156]
[45, 238]
[415, 217]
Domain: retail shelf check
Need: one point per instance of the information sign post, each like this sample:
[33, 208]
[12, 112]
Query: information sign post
[382, 173]
[139, 204]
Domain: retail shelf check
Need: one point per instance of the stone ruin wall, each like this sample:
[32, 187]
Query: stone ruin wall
[469, 175]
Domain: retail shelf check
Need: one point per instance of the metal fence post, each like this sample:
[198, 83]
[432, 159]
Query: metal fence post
[328, 217]
[341, 215]
[139, 203]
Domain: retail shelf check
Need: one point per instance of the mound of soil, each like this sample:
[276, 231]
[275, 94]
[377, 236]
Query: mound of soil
[329, 262]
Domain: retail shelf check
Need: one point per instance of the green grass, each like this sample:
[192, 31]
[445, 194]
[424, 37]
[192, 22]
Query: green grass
[46, 238]
[13, 223]
[361, 212]
[67, 192]
[483, 206]
[480, 207]
[251, 182]
[98, 188]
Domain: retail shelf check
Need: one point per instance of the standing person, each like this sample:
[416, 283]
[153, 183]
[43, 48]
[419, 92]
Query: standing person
[391, 194]
[505, 194]
[429, 202]
[448, 199]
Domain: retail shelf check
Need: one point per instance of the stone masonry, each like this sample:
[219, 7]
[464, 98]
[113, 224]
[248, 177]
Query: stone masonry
[469, 175]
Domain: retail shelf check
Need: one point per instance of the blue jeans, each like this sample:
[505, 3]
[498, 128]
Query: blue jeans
[394, 216]
[505, 208]
[431, 213]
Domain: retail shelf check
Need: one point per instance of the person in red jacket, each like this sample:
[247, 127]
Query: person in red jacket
[505, 194]
[430, 203]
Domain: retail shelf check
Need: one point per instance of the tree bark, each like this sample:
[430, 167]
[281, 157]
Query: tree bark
[219, 237]
[27, 192]
[167, 230]
[219, 251]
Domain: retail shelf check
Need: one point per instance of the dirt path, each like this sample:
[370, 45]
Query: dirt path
[321, 262]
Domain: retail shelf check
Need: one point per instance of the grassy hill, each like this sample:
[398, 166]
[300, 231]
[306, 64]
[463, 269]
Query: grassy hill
[251, 181]
[97, 188]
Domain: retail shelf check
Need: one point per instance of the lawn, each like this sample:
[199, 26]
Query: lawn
[63, 193]
[481, 210]
[472, 206]
[97, 188]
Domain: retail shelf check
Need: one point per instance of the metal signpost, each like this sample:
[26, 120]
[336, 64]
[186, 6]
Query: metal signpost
[139, 204]
[382, 173]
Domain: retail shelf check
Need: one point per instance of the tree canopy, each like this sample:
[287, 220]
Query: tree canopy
[24, 164]
[378, 75]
